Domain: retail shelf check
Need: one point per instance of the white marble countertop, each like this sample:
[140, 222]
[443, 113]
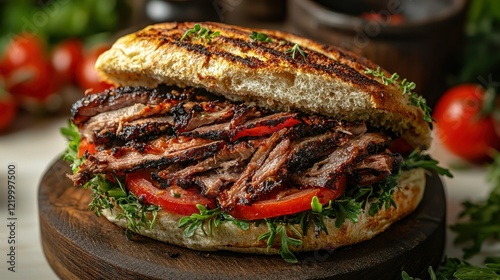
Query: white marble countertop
[36, 143]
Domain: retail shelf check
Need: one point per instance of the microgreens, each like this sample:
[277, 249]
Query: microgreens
[201, 33]
[209, 218]
[104, 193]
[293, 50]
[257, 36]
[407, 87]
[277, 229]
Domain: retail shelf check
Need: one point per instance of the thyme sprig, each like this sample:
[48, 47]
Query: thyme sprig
[293, 50]
[262, 37]
[201, 33]
[407, 87]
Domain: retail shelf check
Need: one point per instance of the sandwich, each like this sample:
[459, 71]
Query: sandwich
[220, 137]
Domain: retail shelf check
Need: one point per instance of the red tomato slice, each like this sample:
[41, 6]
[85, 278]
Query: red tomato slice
[85, 145]
[174, 199]
[401, 146]
[265, 130]
[289, 204]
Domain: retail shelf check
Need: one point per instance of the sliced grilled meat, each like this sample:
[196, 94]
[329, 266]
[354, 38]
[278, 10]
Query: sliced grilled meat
[305, 152]
[113, 99]
[272, 173]
[210, 113]
[236, 153]
[324, 173]
[141, 156]
[115, 119]
[238, 193]
[146, 128]
[243, 113]
[375, 168]
[239, 152]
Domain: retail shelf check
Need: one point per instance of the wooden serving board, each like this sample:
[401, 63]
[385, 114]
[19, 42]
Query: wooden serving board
[79, 245]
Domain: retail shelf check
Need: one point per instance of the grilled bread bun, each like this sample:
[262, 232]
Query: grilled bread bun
[325, 80]
[227, 236]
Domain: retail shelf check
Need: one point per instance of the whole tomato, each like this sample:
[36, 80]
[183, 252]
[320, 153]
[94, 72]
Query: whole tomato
[87, 77]
[33, 79]
[20, 49]
[26, 68]
[66, 58]
[461, 127]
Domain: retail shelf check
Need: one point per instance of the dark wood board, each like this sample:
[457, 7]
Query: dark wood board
[79, 245]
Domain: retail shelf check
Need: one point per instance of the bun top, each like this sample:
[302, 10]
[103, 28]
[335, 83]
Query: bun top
[315, 78]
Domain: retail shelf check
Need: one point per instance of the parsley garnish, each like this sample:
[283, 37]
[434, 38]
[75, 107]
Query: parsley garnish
[407, 88]
[293, 50]
[201, 33]
[257, 36]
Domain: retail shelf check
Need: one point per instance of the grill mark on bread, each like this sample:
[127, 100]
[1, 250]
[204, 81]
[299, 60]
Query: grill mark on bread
[275, 52]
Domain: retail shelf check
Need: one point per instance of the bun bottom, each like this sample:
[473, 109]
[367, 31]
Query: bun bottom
[230, 237]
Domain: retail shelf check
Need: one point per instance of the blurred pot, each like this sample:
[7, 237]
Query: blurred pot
[416, 39]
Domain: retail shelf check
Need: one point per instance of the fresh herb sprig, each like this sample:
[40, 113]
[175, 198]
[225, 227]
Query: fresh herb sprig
[199, 220]
[407, 87]
[136, 214]
[417, 159]
[200, 33]
[70, 132]
[482, 218]
[279, 229]
[208, 218]
[453, 268]
[262, 37]
[293, 51]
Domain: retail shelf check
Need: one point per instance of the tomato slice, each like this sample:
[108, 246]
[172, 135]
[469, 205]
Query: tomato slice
[85, 145]
[293, 203]
[265, 130]
[401, 146]
[174, 199]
